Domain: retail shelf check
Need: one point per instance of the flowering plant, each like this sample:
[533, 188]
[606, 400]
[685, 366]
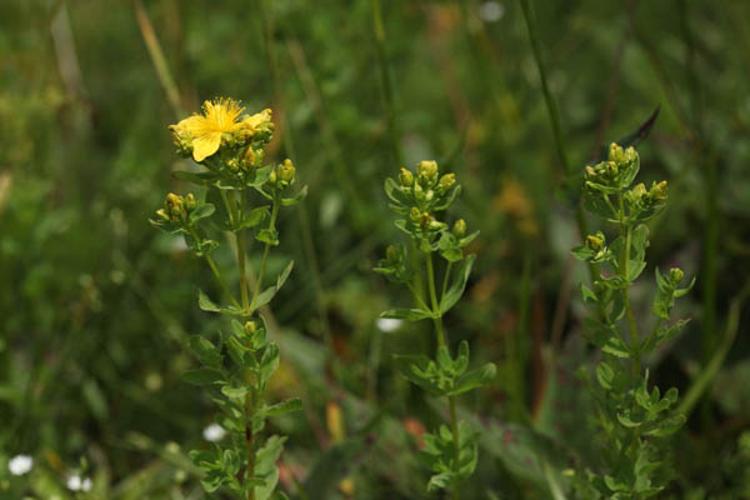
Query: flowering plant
[237, 366]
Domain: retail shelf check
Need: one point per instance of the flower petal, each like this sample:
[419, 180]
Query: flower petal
[206, 145]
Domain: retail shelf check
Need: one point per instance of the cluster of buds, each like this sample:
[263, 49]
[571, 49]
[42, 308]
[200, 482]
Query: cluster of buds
[614, 174]
[283, 175]
[177, 208]
[427, 185]
[594, 249]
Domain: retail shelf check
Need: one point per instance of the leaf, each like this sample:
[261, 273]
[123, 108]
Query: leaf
[201, 212]
[267, 295]
[412, 314]
[203, 376]
[265, 467]
[269, 236]
[456, 290]
[301, 195]
[284, 407]
[206, 304]
[205, 351]
[616, 347]
[254, 217]
[474, 379]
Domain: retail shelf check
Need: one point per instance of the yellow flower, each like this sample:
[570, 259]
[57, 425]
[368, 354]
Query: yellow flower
[204, 132]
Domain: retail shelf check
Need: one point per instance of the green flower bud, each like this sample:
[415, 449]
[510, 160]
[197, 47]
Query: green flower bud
[406, 177]
[596, 242]
[272, 177]
[162, 214]
[175, 206]
[251, 327]
[287, 171]
[676, 275]
[415, 214]
[659, 191]
[616, 154]
[427, 169]
[638, 191]
[459, 228]
[190, 202]
[447, 181]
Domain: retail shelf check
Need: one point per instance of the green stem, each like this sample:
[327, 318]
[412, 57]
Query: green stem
[627, 230]
[249, 443]
[266, 249]
[385, 79]
[554, 119]
[440, 333]
[215, 270]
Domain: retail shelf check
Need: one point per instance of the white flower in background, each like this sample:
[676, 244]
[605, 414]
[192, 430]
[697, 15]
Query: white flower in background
[20, 465]
[214, 433]
[77, 483]
[388, 325]
[491, 12]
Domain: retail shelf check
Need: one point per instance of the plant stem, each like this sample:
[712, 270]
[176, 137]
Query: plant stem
[385, 79]
[438, 320]
[249, 443]
[266, 249]
[215, 270]
[441, 342]
[627, 231]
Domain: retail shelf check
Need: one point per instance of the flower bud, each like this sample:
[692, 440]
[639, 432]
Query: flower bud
[590, 171]
[595, 242]
[250, 156]
[175, 206]
[676, 274]
[616, 154]
[190, 202]
[659, 191]
[459, 228]
[415, 214]
[638, 191]
[162, 214]
[427, 169]
[447, 181]
[406, 177]
[287, 171]
[272, 177]
[250, 327]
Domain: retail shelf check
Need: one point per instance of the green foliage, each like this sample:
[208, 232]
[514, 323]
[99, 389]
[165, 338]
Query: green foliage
[452, 451]
[633, 418]
[236, 371]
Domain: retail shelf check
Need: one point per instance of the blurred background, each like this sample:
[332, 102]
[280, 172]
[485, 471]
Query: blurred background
[97, 305]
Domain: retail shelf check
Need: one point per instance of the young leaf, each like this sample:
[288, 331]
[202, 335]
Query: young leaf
[456, 290]
[205, 351]
[412, 314]
[206, 304]
[284, 407]
[203, 376]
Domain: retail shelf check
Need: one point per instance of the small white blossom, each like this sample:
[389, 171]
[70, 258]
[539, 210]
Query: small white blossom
[77, 483]
[491, 11]
[388, 325]
[214, 433]
[20, 465]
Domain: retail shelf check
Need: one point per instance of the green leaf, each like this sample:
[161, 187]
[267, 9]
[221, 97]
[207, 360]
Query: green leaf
[205, 351]
[301, 195]
[201, 212]
[412, 314]
[265, 466]
[474, 379]
[616, 347]
[254, 217]
[203, 376]
[605, 375]
[456, 290]
[267, 295]
[206, 304]
[268, 236]
[284, 407]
